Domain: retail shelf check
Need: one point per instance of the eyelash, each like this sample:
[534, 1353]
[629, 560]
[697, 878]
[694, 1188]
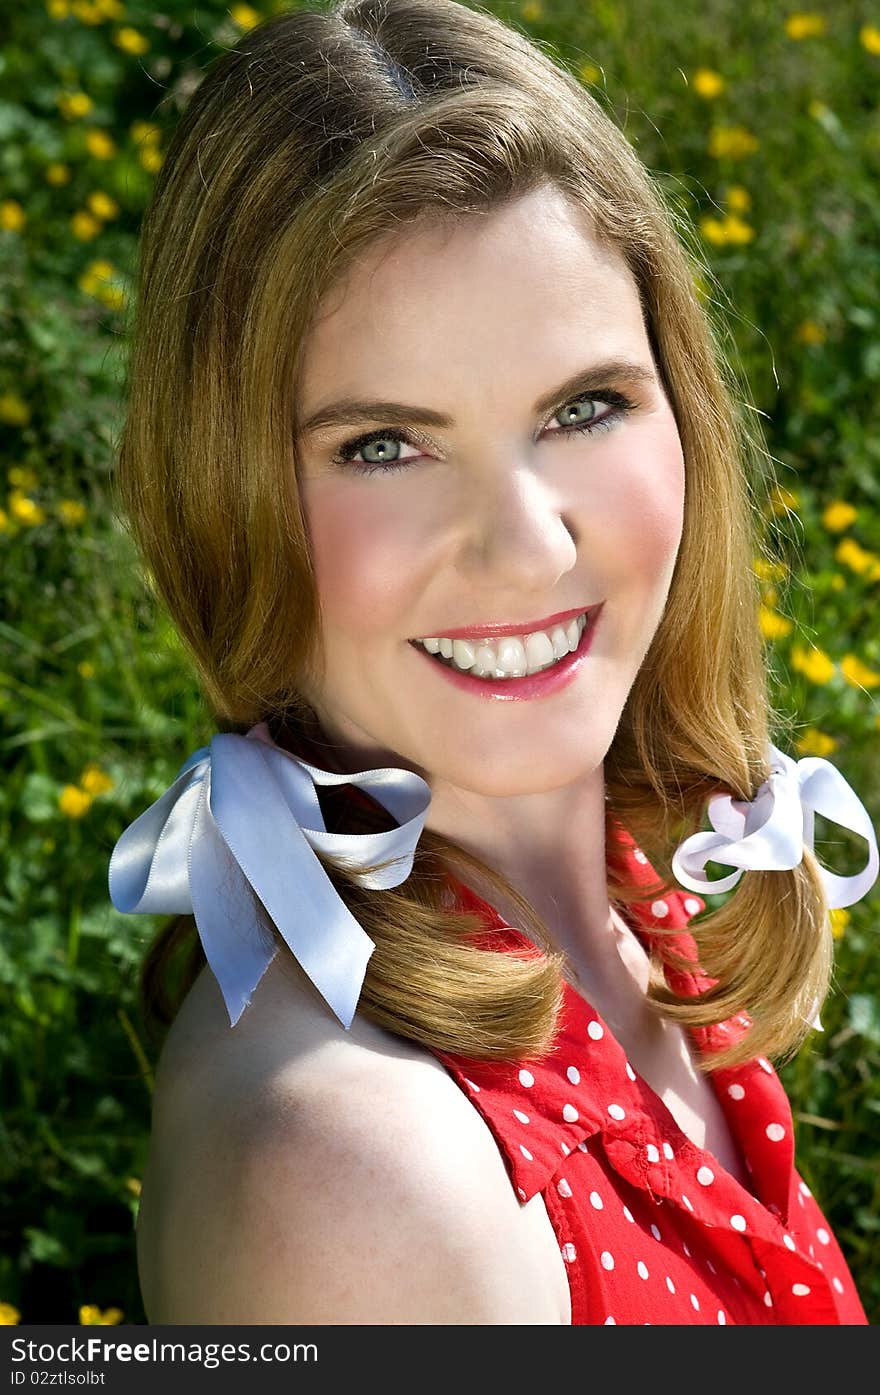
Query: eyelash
[621, 405]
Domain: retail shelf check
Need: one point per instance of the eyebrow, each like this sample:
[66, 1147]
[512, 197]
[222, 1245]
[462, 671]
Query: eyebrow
[349, 411]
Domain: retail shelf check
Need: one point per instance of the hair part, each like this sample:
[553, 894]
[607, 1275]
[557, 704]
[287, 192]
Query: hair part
[316, 136]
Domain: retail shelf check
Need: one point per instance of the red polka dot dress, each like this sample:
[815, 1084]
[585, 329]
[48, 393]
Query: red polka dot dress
[652, 1229]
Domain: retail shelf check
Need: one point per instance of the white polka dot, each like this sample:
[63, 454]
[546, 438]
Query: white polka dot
[565, 1149]
[721, 1318]
[765, 1065]
[596, 1200]
[616, 1112]
[574, 1075]
[582, 1145]
[669, 1284]
[687, 1203]
[525, 1152]
[639, 856]
[522, 1193]
[595, 1030]
[692, 906]
[569, 1113]
[711, 1267]
[738, 1222]
[804, 1189]
[812, 1252]
[526, 1078]
[607, 1259]
[800, 1290]
[768, 1301]
[686, 1250]
[822, 1236]
[695, 1301]
[642, 1269]
[569, 1253]
[837, 1284]
[474, 1087]
[630, 1072]
[775, 1132]
[523, 1118]
[563, 1188]
[609, 1322]
[667, 1151]
[629, 1215]
[653, 1153]
[788, 1242]
[705, 1176]
[659, 909]
[801, 1201]
[655, 1231]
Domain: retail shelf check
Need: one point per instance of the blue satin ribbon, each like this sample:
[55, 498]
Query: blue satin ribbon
[770, 832]
[243, 810]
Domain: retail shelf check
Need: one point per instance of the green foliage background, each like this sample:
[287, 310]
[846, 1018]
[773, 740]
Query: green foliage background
[98, 707]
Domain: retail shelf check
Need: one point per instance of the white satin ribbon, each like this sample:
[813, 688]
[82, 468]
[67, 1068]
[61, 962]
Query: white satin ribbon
[770, 832]
[244, 810]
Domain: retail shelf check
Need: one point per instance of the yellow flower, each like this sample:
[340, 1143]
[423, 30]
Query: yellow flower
[588, 72]
[88, 13]
[74, 802]
[12, 215]
[25, 510]
[130, 40]
[57, 9]
[99, 144]
[245, 16]
[838, 515]
[57, 173]
[708, 83]
[110, 9]
[731, 142]
[102, 205]
[4, 521]
[804, 26]
[74, 104]
[85, 669]
[809, 332]
[713, 231]
[113, 297]
[858, 674]
[837, 582]
[782, 500]
[22, 478]
[71, 511]
[531, 11]
[869, 37]
[101, 269]
[813, 663]
[95, 781]
[739, 200]
[736, 230]
[84, 226]
[840, 918]
[14, 411]
[9, 1316]
[769, 595]
[816, 743]
[145, 133]
[770, 571]
[90, 1315]
[773, 625]
[853, 556]
[151, 159]
[134, 1185]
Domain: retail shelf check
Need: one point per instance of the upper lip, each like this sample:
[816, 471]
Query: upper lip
[513, 627]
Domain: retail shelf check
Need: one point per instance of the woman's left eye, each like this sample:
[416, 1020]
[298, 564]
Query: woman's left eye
[618, 403]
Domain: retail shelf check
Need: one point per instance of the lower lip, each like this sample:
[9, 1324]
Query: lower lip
[520, 689]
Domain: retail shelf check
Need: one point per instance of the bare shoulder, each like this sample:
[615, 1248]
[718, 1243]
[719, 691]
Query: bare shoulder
[299, 1173]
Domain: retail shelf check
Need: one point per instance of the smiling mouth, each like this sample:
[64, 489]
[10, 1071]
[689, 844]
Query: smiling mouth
[509, 656]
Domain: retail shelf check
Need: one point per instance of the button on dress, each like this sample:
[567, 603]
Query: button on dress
[651, 1228]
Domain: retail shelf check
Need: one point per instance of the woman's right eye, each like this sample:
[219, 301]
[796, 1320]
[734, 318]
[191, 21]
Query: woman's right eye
[350, 449]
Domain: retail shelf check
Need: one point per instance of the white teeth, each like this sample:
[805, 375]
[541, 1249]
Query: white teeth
[511, 656]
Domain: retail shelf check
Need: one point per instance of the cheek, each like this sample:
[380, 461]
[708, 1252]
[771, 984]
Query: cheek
[365, 557]
[642, 500]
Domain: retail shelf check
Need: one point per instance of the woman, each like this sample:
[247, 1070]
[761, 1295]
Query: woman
[433, 459]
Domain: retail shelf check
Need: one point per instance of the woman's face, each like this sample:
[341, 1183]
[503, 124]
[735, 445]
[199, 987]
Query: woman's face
[501, 511]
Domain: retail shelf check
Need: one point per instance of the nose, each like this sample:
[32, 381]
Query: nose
[519, 532]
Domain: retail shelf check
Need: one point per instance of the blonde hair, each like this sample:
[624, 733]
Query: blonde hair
[306, 142]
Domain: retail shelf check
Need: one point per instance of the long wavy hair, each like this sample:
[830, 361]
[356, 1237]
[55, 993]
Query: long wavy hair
[298, 146]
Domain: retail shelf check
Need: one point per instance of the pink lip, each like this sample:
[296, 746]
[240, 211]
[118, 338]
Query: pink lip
[502, 628]
[520, 689]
